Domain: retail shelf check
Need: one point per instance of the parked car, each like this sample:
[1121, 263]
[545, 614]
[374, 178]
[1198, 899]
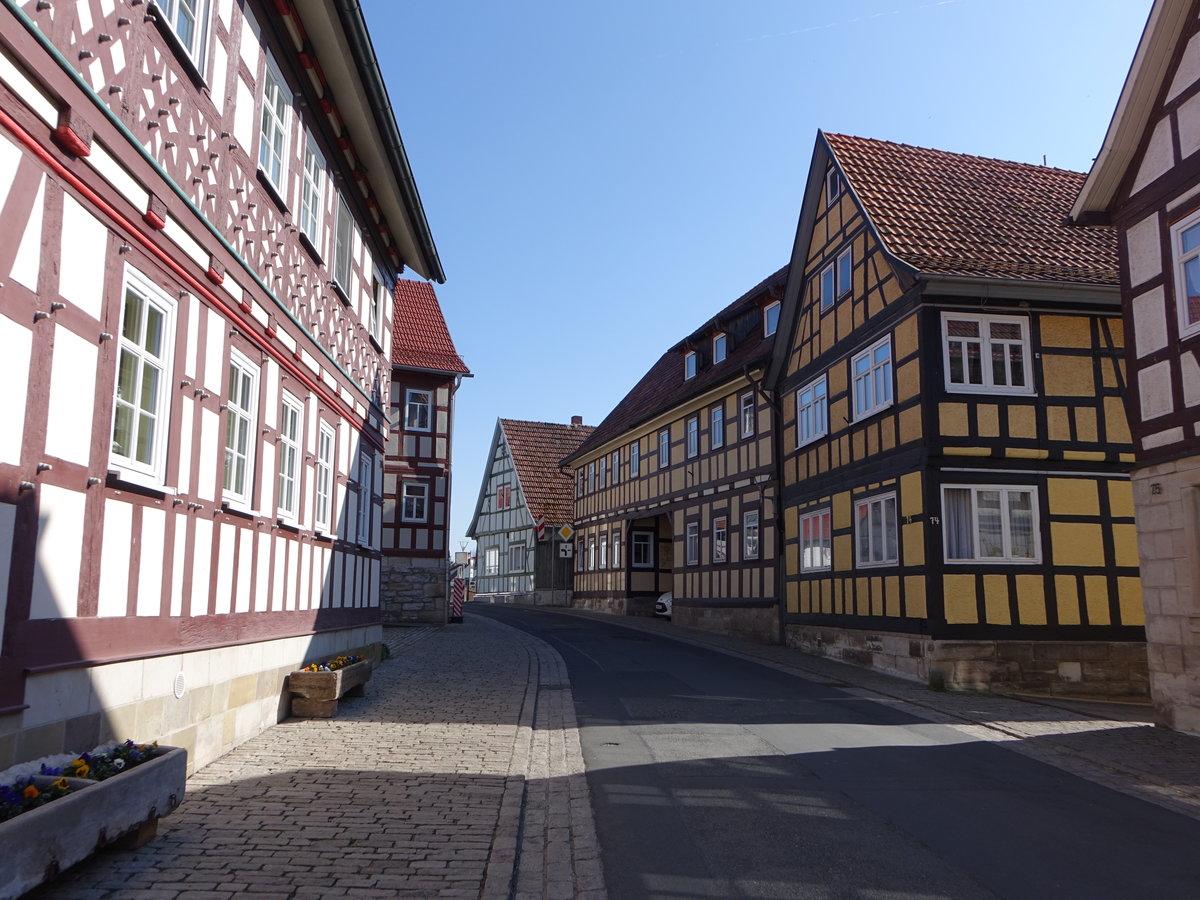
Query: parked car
[662, 606]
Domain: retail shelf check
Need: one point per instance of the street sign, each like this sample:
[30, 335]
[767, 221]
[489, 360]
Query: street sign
[566, 551]
[566, 532]
[540, 524]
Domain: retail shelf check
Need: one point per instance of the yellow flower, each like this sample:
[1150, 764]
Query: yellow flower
[60, 785]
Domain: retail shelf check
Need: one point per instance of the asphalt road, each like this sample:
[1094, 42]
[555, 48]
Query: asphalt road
[712, 776]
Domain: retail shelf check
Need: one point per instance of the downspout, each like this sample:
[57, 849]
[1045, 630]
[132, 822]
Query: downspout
[777, 483]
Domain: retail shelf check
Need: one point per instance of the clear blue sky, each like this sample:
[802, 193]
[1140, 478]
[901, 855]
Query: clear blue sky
[602, 177]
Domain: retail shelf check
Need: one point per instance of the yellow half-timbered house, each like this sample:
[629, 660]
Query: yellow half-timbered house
[954, 449]
[676, 490]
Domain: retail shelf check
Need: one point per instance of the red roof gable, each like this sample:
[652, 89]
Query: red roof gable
[953, 214]
[537, 448]
[420, 339]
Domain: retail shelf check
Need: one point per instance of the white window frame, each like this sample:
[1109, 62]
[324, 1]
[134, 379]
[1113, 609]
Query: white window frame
[276, 121]
[877, 375]
[603, 564]
[602, 472]
[326, 441]
[375, 311]
[418, 493]
[580, 484]
[771, 318]
[591, 551]
[720, 347]
[516, 557]
[291, 427]
[173, 10]
[150, 470]
[592, 477]
[664, 449]
[312, 193]
[812, 411]
[747, 412]
[641, 549]
[689, 365]
[1180, 260]
[616, 549]
[883, 505]
[816, 540]
[343, 247]
[491, 560]
[716, 427]
[691, 543]
[750, 535]
[987, 344]
[414, 406]
[693, 437]
[615, 466]
[845, 272]
[720, 539]
[366, 495]
[246, 415]
[635, 459]
[1005, 490]
[833, 186]
[827, 282]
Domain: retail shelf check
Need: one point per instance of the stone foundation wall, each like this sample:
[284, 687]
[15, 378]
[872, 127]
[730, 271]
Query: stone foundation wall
[1167, 502]
[1108, 669]
[612, 603]
[754, 623]
[413, 590]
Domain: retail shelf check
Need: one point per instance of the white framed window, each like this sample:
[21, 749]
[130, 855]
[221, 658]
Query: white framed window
[876, 535]
[312, 187]
[716, 427]
[418, 410]
[771, 318]
[414, 501]
[579, 486]
[343, 246]
[580, 555]
[616, 549]
[591, 477]
[604, 551]
[693, 436]
[692, 543]
[689, 365]
[816, 541]
[602, 472]
[516, 557]
[142, 396]
[616, 466]
[241, 429]
[995, 523]
[273, 145]
[812, 411]
[720, 348]
[828, 287]
[378, 297]
[491, 561]
[845, 272]
[591, 566]
[871, 371]
[324, 478]
[986, 353]
[291, 419]
[750, 534]
[635, 459]
[664, 448]
[189, 20]
[833, 186]
[1185, 250]
[366, 489]
[720, 539]
[747, 415]
[641, 551]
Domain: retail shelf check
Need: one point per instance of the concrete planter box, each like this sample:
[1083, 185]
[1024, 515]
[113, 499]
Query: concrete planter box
[315, 695]
[120, 812]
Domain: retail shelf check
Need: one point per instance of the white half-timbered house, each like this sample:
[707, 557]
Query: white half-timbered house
[525, 484]
[206, 205]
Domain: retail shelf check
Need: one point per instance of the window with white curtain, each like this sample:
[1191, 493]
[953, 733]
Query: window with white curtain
[986, 353]
[816, 541]
[876, 537]
[990, 522]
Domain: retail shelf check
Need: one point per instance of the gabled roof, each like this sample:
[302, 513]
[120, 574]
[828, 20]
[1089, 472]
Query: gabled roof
[958, 215]
[537, 449]
[664, 385]
[1144, 83]
[420, 339]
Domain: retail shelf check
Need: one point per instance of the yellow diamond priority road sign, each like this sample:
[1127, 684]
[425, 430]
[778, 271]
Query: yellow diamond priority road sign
[566, 532]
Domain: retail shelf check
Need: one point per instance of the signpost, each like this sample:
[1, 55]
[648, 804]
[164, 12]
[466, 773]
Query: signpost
[458, 591]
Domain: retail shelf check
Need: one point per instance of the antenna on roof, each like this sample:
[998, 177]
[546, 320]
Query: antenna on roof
[1043, 159]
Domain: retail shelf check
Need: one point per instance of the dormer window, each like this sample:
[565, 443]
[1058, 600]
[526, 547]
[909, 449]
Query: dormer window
[720, 343]
[771, 319]
[833, 186]
[689, 365]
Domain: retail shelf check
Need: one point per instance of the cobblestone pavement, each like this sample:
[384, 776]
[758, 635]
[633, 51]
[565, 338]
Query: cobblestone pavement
[458, 775]
[1115, 744]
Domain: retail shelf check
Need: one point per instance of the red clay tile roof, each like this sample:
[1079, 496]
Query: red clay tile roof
[537, 448]
[953, 214]
[420, 339]
[664, 385]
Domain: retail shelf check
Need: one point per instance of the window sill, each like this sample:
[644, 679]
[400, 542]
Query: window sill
[311, 249]
[241, 512]
[137, 483]
[267, 185]
[993, 391]
[340, 291]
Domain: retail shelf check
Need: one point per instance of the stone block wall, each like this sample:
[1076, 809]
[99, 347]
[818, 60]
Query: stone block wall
[413, 591]
[758, 623]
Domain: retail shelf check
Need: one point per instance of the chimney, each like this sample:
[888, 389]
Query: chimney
[576, 420]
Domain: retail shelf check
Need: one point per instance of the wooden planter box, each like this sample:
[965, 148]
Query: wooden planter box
[315, 695]
[120, 812]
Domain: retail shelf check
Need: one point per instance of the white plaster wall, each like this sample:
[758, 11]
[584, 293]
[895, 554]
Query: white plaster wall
[201, 567]
[262, 573]
[57, 561]
[114, 558]
[72, 397]
[1160, 155]
[224, 596]
[245, 569]
[85, 244]
[1188, 117]
[1188, 71]
[178, 561]
[1145, 255]
[28, 262]
[150, 569]
[209, 476]
[1154, 390]
[17, 341]
[1150, 321]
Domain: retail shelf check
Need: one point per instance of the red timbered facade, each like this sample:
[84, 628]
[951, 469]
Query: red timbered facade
[207, 205]
[426, 373]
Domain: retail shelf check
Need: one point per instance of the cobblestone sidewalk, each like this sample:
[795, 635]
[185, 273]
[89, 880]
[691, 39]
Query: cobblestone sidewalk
[458, 775]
